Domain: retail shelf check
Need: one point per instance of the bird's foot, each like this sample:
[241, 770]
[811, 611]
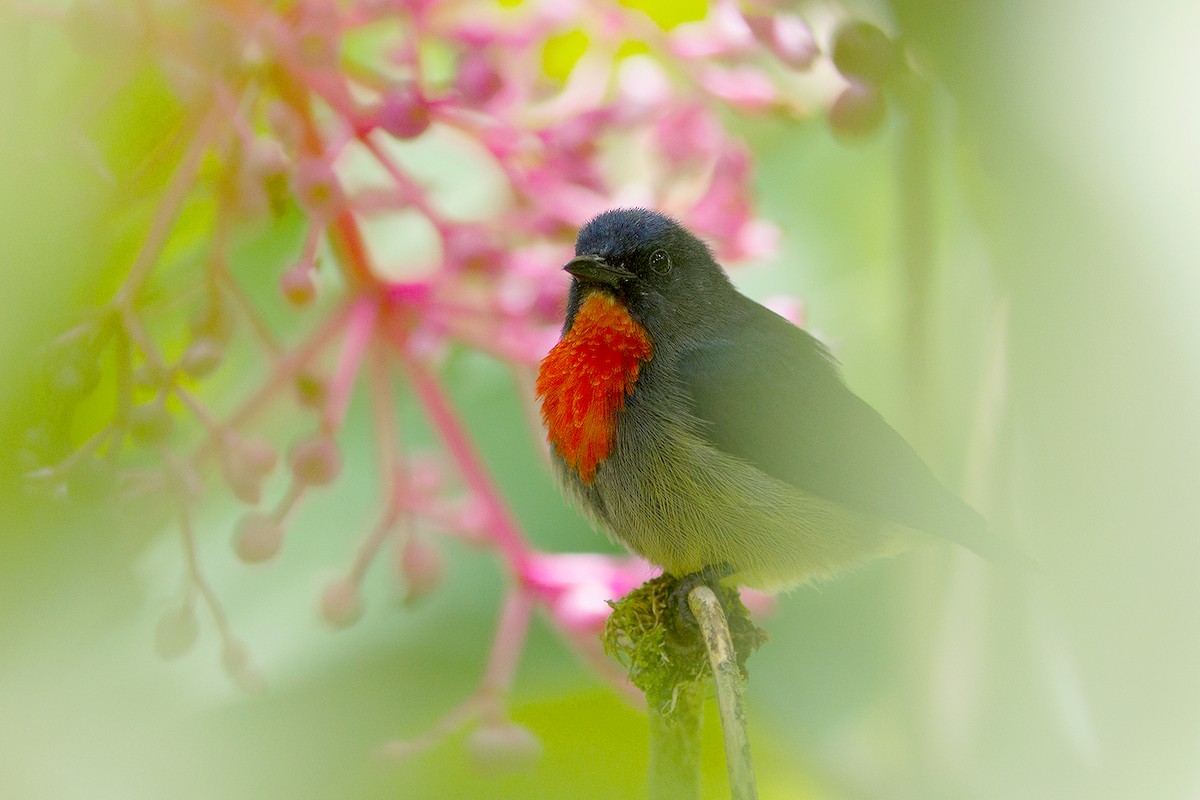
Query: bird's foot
[710, 576]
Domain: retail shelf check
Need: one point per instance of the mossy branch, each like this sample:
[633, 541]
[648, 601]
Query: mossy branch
[670, 661]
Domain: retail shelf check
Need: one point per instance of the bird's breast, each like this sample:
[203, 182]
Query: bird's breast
[583, 381]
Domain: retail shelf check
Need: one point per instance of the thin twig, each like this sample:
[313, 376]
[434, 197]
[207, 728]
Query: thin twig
[728, 678]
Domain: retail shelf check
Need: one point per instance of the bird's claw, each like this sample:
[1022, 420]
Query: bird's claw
[710, 576]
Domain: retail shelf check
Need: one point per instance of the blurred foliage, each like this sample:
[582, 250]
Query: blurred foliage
[925, 676]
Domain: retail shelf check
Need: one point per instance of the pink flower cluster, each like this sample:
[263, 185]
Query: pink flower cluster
[332, 108]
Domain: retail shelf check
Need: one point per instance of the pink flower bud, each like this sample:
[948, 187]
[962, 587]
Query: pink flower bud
[257, 537]
[404, 113]
[725, 206]
[724, 32]
[340, 606]
[202, 357]
[744, 86]
[176, 633]
[788, 37]
[477, 80]
[298, 286]
[689, 134]
[150, 423]
[499, 748]
[857, 112]
[316, 461]
[421, 565]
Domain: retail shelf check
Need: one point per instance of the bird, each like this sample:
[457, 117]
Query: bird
[709, 435]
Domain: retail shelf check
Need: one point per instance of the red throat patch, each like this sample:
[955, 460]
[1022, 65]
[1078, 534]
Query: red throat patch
[584, 380]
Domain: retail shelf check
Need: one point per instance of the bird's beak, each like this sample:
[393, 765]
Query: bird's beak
[594, 269]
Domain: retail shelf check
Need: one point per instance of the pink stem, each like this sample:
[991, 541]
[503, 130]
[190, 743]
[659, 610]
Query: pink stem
[387, 437]
[370, 546]
[508, 644]
[286, 368]
[360, 326]
[201, 413]
[411, 191]
[505, 532]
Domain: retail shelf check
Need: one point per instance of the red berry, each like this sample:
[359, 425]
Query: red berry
[862, 52]
[857, 112]
[477, 80]
[404, 113]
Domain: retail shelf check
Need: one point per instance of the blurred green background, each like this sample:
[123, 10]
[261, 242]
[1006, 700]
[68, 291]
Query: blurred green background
[1067, 181]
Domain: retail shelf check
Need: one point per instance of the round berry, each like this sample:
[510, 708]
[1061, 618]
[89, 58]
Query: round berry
[863, 52]
[316, 461]
[404, 113]
[257, 538]
[202, 357]
[857, 112]
[317, 187]
[477, 80]
[242, 477]
[298, 286]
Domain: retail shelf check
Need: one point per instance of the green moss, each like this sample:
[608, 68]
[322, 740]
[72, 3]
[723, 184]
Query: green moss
[664, 654]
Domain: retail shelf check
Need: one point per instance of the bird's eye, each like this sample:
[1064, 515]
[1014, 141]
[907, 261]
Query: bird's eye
[660, 262]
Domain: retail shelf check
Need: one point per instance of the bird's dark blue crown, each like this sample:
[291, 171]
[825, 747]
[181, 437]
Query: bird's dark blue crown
[623, 231]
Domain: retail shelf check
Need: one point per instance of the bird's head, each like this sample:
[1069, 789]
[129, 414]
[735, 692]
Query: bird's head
[664, 276]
